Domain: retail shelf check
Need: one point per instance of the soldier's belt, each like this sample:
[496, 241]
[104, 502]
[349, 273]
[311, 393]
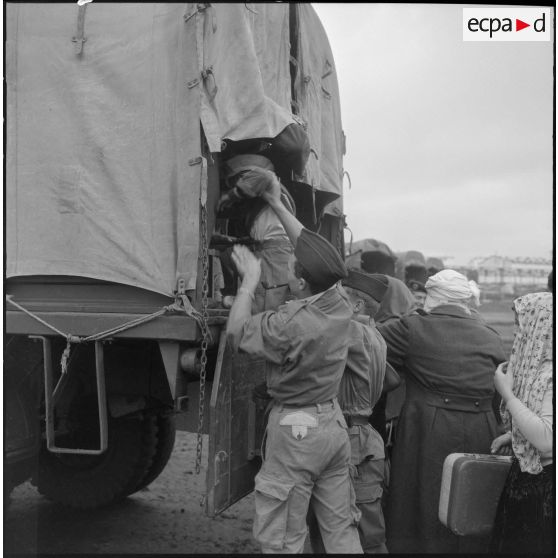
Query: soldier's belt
[330, 404]
[355, 420]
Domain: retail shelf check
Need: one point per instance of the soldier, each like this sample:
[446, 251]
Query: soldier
[360, 389]
[396, 303]
[419, 291]
[305, 343]
[273, 245]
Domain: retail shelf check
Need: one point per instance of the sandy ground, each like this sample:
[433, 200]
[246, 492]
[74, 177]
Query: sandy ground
[165, 518]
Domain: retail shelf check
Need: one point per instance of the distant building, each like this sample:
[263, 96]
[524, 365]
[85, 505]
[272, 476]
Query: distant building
[503, 277]
[512, 271]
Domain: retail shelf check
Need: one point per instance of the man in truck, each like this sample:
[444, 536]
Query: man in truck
[305, 342]
[274, 248]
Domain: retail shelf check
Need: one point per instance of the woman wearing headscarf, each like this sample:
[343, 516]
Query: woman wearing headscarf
[448, 358]
[525, 520]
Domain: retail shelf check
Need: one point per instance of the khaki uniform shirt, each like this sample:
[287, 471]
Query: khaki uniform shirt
[362, 382]
[305, 343]
[361, 387]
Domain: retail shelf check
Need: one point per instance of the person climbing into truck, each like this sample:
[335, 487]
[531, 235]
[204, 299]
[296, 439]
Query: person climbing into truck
[272, 246]
[305, 342]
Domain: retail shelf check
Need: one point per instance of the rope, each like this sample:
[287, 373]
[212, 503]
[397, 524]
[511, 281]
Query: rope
[9, 299]
[175, 307]
[125, 326]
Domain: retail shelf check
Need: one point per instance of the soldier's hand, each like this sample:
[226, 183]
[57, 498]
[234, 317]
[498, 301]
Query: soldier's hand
[272, 192]
[248, 266]
[252, 183]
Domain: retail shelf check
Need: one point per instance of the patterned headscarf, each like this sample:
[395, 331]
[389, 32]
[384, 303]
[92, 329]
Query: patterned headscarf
[532, 347]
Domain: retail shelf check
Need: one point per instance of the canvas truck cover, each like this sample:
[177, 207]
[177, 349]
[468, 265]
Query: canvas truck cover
[104, 174]
[320, 107]
[99, 142]
[248, 85]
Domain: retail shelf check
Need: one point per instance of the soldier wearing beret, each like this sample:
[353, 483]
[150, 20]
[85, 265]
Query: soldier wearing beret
[396, 303]
[419, 291]
[360, 389]
[305, 343]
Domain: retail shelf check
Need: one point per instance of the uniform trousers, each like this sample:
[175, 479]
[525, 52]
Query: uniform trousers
[368, 479]
[306, 457]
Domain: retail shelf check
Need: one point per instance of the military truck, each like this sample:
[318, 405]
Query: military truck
[119, 117]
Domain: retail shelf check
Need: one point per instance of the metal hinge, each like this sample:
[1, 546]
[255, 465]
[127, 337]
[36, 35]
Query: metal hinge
[181, 285]
[80, 37]
[199, 8]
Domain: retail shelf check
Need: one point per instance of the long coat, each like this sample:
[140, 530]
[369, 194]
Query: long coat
[448, 358]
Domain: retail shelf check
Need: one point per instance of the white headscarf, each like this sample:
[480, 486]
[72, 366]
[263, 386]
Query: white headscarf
[447, 287]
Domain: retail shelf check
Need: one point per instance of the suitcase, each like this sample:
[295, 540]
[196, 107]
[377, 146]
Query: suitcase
[470, 491]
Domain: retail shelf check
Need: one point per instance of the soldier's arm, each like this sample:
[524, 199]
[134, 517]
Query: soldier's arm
[264, 334]
[249, 269]
[272, 195]
[391, 379]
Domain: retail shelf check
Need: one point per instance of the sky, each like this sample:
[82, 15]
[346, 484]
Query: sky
[449, 143]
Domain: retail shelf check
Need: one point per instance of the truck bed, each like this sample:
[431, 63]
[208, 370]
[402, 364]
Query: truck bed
[85, 307]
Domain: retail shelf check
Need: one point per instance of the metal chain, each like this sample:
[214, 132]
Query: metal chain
[205, 335]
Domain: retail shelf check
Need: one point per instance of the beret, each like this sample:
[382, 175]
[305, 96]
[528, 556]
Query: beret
[416, 286]
[375, 287]
[319, 258]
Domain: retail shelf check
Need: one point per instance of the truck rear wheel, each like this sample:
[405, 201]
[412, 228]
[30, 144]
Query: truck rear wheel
[166, 436]
[92, 481]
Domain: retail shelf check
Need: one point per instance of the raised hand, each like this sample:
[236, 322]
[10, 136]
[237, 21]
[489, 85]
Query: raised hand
[247, 264]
